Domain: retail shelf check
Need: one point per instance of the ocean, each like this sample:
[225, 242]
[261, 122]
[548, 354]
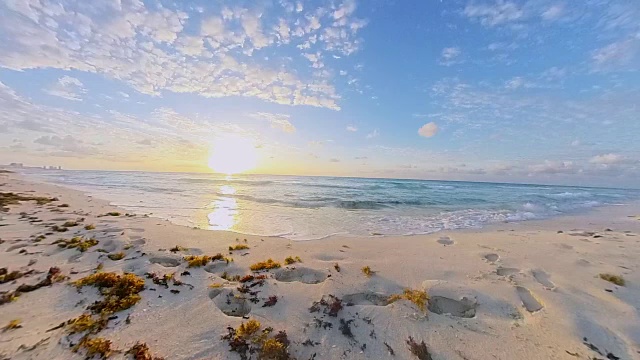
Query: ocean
[302, 208]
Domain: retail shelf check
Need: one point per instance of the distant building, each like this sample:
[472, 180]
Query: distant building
[18, 165]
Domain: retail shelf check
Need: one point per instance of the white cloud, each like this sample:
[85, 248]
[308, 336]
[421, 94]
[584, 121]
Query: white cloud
[277, 121]
[67, 87]
[374, 134]
[428, 130]
[148, 48]
[608, 159]
[499, 13]
[621, 55]
[554, 167]
[450, 56]
[553, 12]
[352, 128]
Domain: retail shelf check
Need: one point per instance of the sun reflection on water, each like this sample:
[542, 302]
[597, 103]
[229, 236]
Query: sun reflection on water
[225, 210]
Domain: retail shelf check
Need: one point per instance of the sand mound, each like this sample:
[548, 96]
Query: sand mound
[165, 261]
[445, 240]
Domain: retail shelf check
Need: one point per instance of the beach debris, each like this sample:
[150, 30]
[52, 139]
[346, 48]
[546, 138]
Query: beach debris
[12, 325]
[10, 198]
[420, 350]
[178, 248]
[238, 247]
[329, 304]
[94, 346]
[120, 292]
[202, 260]
[271, 301]
[265, 265]
[164, 279]
[345, 328]
[89, 227]
[77, 242]
[140, 351]
[53, 276]
[292, 260]
[417, 297]
[367, 271]
[594, 348]
[6, 276]
[116, 256]
[249, 339]
[337, 267]
[390, 349]
[615, 279]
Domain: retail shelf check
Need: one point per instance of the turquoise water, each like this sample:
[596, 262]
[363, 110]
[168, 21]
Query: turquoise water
[299, 207]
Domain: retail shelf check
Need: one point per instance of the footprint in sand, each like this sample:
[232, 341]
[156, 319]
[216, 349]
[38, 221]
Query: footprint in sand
[530, 302]
[329, 257]
[136, 230]
[504, 271]
[366, 298]
[301, 274]
[15, 247]
[491, 258]
[165, 261]
[543, 278]
[445, 240]
[465, 308]
[229, 303]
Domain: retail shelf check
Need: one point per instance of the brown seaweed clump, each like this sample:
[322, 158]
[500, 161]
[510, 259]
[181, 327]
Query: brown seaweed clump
[265, 265]
[140, 351]
[615, 279]
[202, 260]
[238, 247]
[292, 260]
[98, 346]
[77, 242]
[116, 256]
[120, 291]
[9, 198]
[248, 339]
[418, 297]
[367, 271]
[53, 276]
[419, 350]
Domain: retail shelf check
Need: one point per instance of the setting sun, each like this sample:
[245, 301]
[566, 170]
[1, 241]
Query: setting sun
[232, 154]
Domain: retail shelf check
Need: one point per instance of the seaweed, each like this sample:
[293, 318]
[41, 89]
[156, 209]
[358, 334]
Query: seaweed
[120, 292]
[238, 247]
[12, 325]
[292, 260]
[77, 242]
[367, 271]
[615, 279]
[418, 297]
[419, 350]
[116, 256]
[265, 265]
[330, 304]
[140, 351]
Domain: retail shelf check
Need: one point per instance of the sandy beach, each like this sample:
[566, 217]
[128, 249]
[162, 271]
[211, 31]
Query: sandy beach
[524, 290]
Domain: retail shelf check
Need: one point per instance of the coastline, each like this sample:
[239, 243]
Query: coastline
[533, 292]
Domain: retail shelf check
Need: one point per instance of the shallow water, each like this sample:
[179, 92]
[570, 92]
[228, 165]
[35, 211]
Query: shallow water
[314, 207]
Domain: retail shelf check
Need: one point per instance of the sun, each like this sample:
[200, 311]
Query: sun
[232, 154]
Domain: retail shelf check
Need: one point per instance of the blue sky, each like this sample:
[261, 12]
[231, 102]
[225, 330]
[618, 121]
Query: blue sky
[528, 91]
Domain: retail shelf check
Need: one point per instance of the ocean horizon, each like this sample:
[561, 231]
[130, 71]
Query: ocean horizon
[315, 207]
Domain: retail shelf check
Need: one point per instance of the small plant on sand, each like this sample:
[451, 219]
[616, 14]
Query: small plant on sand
[247, 329]
[12, 325]
[238, 247]
[367, 271]
[265, 265]
[77, 242]
[88, 323]
[292, 260]
[140, 351]
[94, 347]
[418, 297]
[112, 213]
[57, 228]
[120, 292]
[616, 279]
[89, 227]
[69, 224]
[419, 350]
[6, 276]
[116, 256]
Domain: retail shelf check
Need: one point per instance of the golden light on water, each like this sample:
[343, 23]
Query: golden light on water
[233, 154]
[225, 210]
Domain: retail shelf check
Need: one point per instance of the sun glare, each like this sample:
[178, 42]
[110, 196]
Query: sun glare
[232, 154]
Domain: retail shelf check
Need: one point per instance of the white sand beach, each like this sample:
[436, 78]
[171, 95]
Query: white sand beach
[526, 290]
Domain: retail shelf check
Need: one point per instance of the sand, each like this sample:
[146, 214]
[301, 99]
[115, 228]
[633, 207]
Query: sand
[526, 290]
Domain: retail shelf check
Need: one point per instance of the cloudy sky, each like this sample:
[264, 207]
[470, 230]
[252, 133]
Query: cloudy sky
[491, 90]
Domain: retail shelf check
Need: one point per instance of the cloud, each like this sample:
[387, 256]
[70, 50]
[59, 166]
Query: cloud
[609, 159]
[554, 167]
[498, 13]
[67, 87]
[428, 130]
[553, 12]
[352, 128]
[149, 48]
[450, 56]
[68, 145]
[623, 55]
[374, 134]
[278, 121]
[334, 160]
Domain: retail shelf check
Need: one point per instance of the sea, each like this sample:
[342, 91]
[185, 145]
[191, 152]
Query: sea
[309, 207]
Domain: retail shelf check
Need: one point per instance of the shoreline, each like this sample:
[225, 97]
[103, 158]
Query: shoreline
[520, 290]
[590, 213]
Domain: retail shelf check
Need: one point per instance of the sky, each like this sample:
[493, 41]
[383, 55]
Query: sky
[535, 91]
